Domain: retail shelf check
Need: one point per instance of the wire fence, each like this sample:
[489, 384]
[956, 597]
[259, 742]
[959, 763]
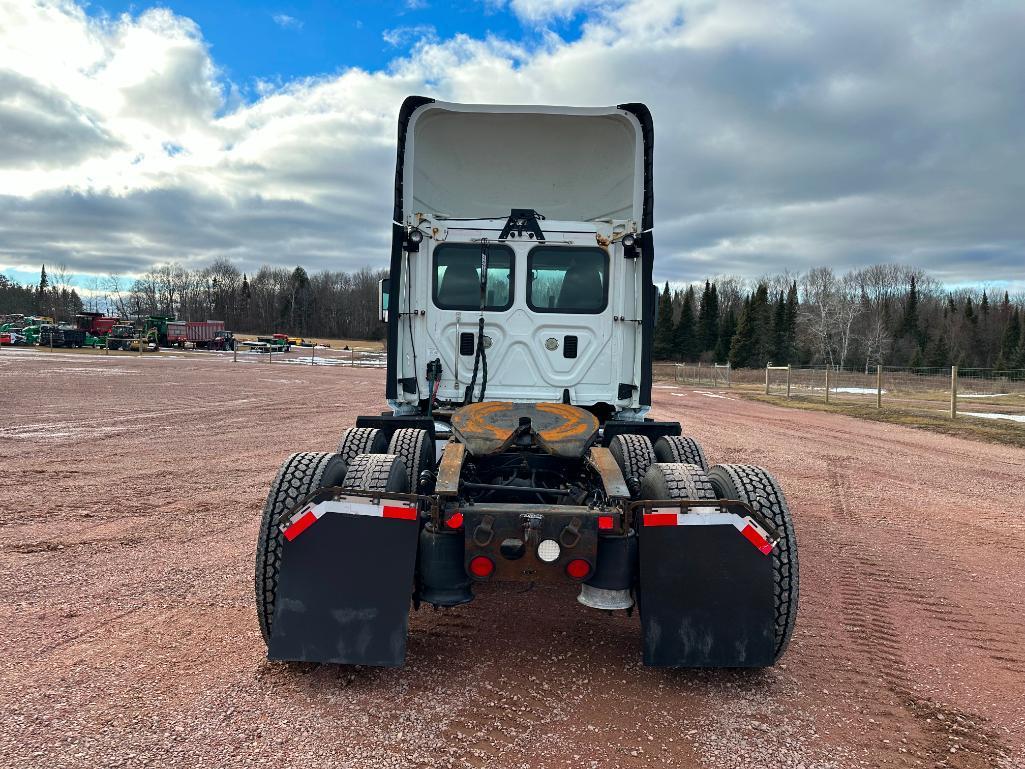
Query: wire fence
[949, 390]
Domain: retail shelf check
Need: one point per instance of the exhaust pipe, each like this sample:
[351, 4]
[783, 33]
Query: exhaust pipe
[609, 586]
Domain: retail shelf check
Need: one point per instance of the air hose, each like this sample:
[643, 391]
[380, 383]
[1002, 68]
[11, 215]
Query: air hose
[480, 358]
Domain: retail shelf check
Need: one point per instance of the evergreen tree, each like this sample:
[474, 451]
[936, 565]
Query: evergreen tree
[780, 354]
[791, 325]
[909, 324]
[727, 330]
[761, 313]
[684, 340]
[743, 345]
[708, 319]
[42, 294]
[663, 342]
[1010, 342]
[752, 344]
[937, 355]
[969, 311]
[917, 359]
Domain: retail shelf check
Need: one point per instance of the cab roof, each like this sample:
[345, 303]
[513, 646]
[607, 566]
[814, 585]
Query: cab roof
[577, 164]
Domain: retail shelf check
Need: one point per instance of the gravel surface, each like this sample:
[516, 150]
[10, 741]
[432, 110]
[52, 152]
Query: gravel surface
[130, 492]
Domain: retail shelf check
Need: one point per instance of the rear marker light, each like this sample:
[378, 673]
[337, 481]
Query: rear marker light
[578, 568]
[481, 566]
[604, 521]
[549, 550]
[454, 521]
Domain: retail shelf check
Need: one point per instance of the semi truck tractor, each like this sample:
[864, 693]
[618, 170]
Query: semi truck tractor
[518, 444]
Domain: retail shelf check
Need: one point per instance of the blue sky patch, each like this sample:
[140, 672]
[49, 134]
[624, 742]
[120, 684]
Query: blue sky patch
[278, 42]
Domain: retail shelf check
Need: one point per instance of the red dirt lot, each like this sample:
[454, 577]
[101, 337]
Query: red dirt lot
[130, 491]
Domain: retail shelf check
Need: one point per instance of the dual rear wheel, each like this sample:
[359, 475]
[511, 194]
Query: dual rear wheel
[675, 468]
[365, 459]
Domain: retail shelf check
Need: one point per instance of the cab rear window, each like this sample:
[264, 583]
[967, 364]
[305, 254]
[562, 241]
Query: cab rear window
[567, 279]
[456, 279]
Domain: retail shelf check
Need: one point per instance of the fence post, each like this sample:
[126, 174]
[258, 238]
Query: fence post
[313, 355]
[766, 378]
[352, 357]
[827, 383]
[270, 353]
[953, 392]
[879, 386]
[788, 381]
[234, 351]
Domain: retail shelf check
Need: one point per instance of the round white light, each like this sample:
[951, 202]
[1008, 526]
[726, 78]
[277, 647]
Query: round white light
[629, 240]
[415, 236]
[549, 550]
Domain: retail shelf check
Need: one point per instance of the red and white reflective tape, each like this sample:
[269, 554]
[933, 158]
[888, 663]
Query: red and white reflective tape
[711, 516]
[307, 515]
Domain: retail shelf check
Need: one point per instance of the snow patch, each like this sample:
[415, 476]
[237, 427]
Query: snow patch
[991, 415]
[851, 390]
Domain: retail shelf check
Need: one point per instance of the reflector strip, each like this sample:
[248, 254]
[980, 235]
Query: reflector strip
[401, 512]
[604, 521]
[703, 516]
[756, 539]
[305, 517]
[295, 529]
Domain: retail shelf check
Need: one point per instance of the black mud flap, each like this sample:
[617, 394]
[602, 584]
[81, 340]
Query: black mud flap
[706, 592]
[344, 591]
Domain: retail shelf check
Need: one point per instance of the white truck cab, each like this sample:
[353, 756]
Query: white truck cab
[551, 205]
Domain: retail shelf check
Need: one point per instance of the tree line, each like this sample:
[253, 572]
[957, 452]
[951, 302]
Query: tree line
[54, 298]
[329, 303]
[881, 315]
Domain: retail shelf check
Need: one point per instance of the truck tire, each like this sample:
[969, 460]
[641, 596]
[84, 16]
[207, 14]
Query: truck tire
[361, 440]
[299, 476]
[417, 451]
[377, 472]
[754, 485]
[680, 448]
[633, 454]
[676, 480]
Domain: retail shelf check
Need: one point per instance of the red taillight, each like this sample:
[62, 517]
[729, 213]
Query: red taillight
[481, 566]
[455, 520]
[604, 521]
[578, 568]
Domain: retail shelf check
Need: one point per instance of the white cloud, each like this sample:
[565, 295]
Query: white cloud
[787, 134]
[540, 11]
[402, 36]
[285, 21]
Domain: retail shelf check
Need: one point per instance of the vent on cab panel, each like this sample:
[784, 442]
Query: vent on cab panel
[569, 347]
[466, 343]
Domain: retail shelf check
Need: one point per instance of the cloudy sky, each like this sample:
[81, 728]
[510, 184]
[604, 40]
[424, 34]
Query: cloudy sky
[788, 134]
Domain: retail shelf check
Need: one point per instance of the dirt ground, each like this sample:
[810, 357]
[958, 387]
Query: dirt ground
[130, 492]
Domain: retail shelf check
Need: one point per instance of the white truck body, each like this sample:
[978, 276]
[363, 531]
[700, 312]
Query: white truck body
[565, 316]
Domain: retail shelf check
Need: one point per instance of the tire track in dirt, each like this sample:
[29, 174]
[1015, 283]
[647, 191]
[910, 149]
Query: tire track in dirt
[869, 590]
